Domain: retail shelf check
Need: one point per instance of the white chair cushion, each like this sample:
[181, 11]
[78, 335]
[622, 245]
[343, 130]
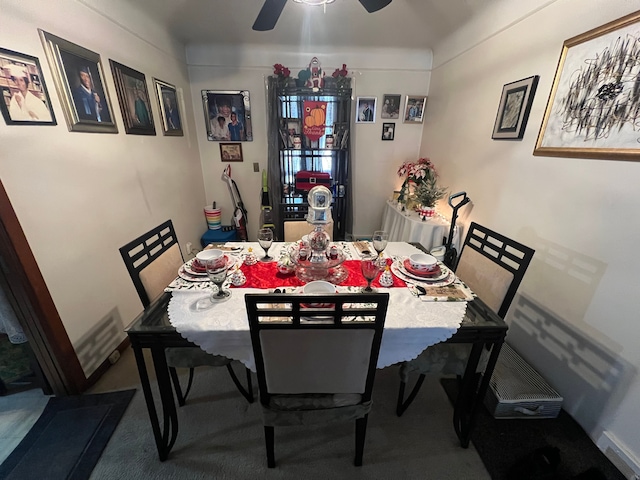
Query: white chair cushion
[159, 273]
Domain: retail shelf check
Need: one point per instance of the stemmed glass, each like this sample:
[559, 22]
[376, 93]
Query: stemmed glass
[217, 273]
[369, 268]
[265, 239]
[380, 239]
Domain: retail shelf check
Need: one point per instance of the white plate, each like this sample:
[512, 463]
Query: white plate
[402, 274]
[443, 275]
[187, 273]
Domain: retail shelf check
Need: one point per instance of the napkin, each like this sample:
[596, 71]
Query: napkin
[456, 292]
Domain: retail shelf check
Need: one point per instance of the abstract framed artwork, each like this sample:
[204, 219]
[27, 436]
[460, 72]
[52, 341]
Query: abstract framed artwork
[169, 112]
[414, 109]
[594, 107]
[25, 99]
[131, 87]
[227, 115]
[514, 109]
[79, 80]
[231, 152]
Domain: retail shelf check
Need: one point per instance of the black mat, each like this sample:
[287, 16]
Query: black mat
[511, 448]
[68, 438]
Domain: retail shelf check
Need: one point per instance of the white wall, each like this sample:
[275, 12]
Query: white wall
[80, 196]
[375, 73]
[576, 319]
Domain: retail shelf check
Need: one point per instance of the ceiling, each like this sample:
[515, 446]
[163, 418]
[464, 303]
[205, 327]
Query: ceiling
[415, 24]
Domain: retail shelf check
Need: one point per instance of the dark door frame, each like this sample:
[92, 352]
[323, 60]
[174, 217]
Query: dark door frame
[31, 300]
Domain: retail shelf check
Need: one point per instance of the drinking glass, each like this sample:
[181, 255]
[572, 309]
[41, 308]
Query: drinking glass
[369, 268]
[217, 273]
[380, 239]
[265, 239]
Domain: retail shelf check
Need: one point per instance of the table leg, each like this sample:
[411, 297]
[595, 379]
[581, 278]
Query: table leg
[166, 439]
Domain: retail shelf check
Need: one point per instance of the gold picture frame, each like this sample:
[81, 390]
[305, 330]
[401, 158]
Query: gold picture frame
[231, 152]
[167, 96]
[80, 82]
[592, 108]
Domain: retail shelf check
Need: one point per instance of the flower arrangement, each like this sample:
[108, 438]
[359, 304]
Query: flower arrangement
[340, 72]
[420, 183]
[281, 71]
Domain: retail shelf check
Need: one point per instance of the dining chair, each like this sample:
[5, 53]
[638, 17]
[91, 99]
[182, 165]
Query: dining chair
[316, 365]
[153, 260]
[492, 266]
[295, 229]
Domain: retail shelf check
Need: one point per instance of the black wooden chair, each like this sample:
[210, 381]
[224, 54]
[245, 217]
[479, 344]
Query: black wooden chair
[316, 366]
[492, 266]
[153, 260]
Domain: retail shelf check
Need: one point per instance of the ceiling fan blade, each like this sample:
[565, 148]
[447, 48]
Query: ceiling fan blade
[269, 14]
[374, 5]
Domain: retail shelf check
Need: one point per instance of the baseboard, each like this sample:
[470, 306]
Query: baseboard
[104, 366]
[624, 460]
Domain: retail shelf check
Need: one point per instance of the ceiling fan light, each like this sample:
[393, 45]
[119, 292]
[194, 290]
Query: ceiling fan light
[316, 3]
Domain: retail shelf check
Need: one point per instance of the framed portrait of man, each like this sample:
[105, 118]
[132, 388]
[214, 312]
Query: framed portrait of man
[131, 87]
[169, 112]
[227, 115]
[25, 100]
[366, 110]
[414, 109]
[79, 79]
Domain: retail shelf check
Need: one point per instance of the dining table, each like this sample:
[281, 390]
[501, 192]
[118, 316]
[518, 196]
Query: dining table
[421, 313]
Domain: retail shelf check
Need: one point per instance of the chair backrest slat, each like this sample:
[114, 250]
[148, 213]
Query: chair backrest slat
[157, 245]
[493, 266]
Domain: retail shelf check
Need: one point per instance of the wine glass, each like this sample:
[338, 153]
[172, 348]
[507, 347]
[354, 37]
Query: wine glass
[265, 239]
[217, 273]
[369, 268]
[380, 239]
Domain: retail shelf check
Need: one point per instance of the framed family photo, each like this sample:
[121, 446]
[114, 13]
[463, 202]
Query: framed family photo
[366, 110]
[131, 87]
[514, 108]
[388, 131]
[592, 110]
[390, 106]
[79, 79]
[414, 109]
[231, 152]
[169, 111]
[25, 99]
[290, 128]
[227, 115]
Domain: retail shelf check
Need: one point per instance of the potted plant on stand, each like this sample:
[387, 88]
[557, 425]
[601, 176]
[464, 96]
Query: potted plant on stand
[420, 187]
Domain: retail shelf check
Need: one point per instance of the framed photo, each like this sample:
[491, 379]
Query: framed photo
[289, 129]
[25, 100]
[388, 131]
[79, 80]
[169, 112]
[133, 95]
[231, 152]
[340, 135]
[414, 109]
[366, 110]
[227, 115]
[514, 108]
[390, 106]
[592, 111]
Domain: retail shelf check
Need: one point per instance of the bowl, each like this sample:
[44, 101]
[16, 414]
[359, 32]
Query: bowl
[438, 252]
[319, 286]
[205, 255]
[423, 262]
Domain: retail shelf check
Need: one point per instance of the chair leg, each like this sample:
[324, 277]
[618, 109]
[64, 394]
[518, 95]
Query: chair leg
[248, 393]
[269, 443]
[361, 431]
[176, 385]
[402, 404]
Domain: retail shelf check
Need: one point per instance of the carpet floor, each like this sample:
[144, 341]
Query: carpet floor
[68, 438]
[511, 448]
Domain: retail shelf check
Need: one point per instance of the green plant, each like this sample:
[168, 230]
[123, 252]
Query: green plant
[428, 192]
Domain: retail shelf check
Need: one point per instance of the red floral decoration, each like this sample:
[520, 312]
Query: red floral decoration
[340, 72]
[281, 71]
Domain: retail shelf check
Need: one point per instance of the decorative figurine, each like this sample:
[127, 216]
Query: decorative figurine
[250, 258]
[316, 75]
[238, 278]
[386, 278]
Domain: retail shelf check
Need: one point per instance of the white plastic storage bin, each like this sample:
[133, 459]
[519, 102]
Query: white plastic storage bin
[516, 390]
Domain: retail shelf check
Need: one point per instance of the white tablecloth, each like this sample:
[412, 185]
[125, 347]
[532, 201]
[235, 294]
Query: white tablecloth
[410, 326]
[408, 227]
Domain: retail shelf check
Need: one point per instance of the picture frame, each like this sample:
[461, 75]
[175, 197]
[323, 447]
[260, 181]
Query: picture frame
[80, 81]
[133, 95]
[366, 109]
[289, 128]
[591, 108]
[340, 135]
[388, 131]
[25, 98]
[231, 152]
[414, 106]
[514, 108]
[167, 96]
[390, 106]
[226, 104]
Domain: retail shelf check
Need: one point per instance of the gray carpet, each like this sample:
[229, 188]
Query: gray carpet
[221, 436]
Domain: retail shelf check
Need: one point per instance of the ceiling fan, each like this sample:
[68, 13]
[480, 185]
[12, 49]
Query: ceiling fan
[271, 10]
